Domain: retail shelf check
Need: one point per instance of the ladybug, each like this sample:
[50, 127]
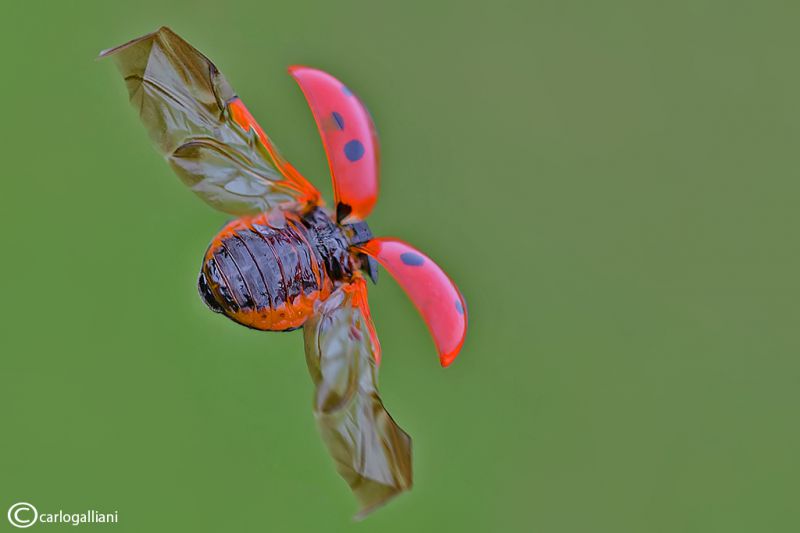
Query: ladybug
[287, 261]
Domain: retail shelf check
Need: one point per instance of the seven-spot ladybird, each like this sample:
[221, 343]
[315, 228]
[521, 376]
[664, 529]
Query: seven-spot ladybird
[287, 261]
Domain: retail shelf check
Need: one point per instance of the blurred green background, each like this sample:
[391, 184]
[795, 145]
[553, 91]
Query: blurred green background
[614, 186]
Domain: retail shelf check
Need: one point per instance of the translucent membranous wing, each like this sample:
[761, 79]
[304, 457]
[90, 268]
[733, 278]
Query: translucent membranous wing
[348, 135]
[204, 130]
[433, 293]
[370, 450]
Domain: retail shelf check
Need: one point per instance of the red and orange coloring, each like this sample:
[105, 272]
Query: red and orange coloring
[287, 262]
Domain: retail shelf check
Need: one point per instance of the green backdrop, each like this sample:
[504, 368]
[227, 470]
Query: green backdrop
[614, 186]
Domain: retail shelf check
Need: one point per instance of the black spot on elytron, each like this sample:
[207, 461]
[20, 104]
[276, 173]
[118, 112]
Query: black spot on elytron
[354, 150]
[412, 259]
[339, 120]
[346, 91]
[459, 307]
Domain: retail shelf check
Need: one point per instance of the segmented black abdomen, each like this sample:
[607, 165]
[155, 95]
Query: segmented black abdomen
[253, 266]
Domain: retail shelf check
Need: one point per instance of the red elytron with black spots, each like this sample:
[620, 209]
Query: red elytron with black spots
[287, 262]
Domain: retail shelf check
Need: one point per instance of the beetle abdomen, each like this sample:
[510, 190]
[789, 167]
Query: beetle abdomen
[268, 277]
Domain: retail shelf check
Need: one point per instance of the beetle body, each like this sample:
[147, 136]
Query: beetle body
[267, 273]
